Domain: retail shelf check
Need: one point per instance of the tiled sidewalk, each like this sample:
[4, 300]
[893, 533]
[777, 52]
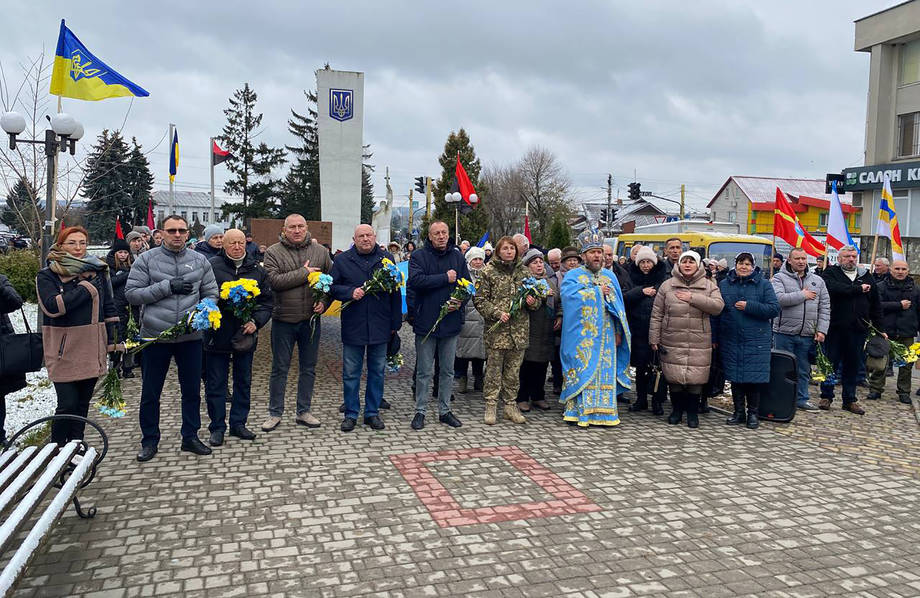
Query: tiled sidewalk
[668, 511]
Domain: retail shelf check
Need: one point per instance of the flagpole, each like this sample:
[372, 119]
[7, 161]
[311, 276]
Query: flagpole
[874, 246]
[54, 187]
[172, 197]
[211, 160]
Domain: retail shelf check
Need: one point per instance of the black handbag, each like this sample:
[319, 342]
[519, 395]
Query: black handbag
[21, 353]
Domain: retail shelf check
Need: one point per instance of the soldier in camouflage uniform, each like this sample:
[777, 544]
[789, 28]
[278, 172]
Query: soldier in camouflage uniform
[498, 286]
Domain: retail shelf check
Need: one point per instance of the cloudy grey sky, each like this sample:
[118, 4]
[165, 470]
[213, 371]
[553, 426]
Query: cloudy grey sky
[676, 91]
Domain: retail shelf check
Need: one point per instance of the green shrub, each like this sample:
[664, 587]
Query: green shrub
[21, 267]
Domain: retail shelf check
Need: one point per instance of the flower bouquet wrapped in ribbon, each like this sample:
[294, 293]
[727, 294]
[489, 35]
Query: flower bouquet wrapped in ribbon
[204, 316]
[241, 295]
[530, 287]
[394, 363]
[823, 365]
[463, 291]
[388, 278]
[319, 285]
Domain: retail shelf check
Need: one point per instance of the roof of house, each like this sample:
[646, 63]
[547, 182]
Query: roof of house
[760, 189]
[189, 199]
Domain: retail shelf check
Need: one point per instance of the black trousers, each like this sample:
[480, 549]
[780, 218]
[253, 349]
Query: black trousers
[746, 392]
[461, 365]
[532, 377]
[72, 399]
[557, 369]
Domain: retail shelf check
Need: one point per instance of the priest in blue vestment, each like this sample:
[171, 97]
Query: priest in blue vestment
[595, 339]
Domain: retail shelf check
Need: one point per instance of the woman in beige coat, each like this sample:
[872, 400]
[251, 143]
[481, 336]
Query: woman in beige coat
[681, 333]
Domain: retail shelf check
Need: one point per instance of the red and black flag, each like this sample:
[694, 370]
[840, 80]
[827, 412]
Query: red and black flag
[218, 155]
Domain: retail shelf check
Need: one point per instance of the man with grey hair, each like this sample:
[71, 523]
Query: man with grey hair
[554, 259]
[881, 269]
[854, 303]
[805, 311]
[522, 242]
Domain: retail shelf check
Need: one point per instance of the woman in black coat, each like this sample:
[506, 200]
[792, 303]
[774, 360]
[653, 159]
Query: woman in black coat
[119, 260]
[10, 301]
[645, 274]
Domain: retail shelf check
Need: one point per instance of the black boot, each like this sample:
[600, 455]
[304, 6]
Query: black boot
[657, 409]
[737, 416]
[677, 408]
[752, 422]
[693, 403]
[641, 403]
[704, 404]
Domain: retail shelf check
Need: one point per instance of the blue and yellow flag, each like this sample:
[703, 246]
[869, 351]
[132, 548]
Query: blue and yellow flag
[174, 156]
[78, 74]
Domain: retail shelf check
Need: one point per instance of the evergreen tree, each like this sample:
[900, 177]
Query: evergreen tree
[559, 234]
[300, 192]
[475, 223]
[22, 212]
[367, 187]
[139, 183]
[251, 164]
[106, 186]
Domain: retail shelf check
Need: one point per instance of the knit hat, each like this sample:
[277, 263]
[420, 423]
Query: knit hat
[690, 254]
[141, 229]
[121, 245]
[646, 253]
[488, 247]
[723, 263]
[211, 230]
[531, 255]
[133, 235]
[473, 252]
[570, 252]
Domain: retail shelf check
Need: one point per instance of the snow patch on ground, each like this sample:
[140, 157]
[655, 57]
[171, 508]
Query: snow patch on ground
[36, 400]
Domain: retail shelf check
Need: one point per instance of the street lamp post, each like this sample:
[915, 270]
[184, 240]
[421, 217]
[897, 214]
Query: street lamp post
[455, 198]
[62, 136]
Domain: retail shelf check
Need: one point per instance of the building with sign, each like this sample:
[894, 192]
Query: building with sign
[892, 39]
[750, 201]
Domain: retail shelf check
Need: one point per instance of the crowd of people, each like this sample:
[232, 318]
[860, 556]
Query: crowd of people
[684, 325]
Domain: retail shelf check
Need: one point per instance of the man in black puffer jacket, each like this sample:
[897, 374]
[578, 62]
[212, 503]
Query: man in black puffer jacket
[900, 300]
[234, 340]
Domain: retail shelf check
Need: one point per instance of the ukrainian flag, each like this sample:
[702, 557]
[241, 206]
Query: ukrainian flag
[78, 74]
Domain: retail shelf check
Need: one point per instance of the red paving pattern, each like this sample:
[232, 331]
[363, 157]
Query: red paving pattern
[446, 512]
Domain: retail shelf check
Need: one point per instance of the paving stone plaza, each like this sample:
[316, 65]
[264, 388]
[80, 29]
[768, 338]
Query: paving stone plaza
[826, 505]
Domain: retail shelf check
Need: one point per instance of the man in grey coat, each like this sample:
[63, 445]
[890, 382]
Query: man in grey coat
[167, 282]
[805, 313]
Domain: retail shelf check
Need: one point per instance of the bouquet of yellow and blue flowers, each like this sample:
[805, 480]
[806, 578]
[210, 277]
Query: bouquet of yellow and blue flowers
[823, 365]
[530, 287]
[386, 279]
[241, 296]
[319, 285]
[463, 291]
[204, 316]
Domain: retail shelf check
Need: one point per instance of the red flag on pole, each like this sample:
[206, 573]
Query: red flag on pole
[527, 227]
[463, 181]
[218, 155]
[150, 222]
[787, 227]
[118, 233]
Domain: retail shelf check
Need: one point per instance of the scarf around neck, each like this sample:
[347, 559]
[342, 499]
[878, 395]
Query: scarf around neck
[64, 264]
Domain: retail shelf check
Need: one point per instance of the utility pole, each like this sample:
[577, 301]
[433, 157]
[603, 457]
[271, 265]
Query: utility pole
[410, 213]
[427, 198]
[683, 194]
[607, 219]
[172, 193]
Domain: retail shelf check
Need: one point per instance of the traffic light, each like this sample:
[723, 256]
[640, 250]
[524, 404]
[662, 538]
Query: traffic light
[635, 191]
[420, 184]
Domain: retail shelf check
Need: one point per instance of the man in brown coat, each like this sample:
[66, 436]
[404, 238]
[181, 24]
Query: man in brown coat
[288, 263]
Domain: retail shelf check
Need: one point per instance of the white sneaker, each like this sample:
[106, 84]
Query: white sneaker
[306, 419]
[271, 423]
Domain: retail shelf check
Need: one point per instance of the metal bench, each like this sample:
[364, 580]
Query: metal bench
[26, 477]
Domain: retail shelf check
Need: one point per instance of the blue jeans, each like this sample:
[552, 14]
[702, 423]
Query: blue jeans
[217, 370]
[799, 346]
[284, 336]
[154, 367]
[352, 362]
[844, 349]
[446, 349]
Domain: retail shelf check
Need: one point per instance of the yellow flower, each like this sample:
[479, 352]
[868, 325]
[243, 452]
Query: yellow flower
[386, 261]
[312, 277]
[915, 347]
[214, 318]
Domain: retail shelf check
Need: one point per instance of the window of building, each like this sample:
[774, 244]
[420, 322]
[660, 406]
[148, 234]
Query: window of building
[910, 63]
[822, 219]
[194, 216]
[205, 216]
[908, 137]
[184, 214]
[731, 216]
[161, 215]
